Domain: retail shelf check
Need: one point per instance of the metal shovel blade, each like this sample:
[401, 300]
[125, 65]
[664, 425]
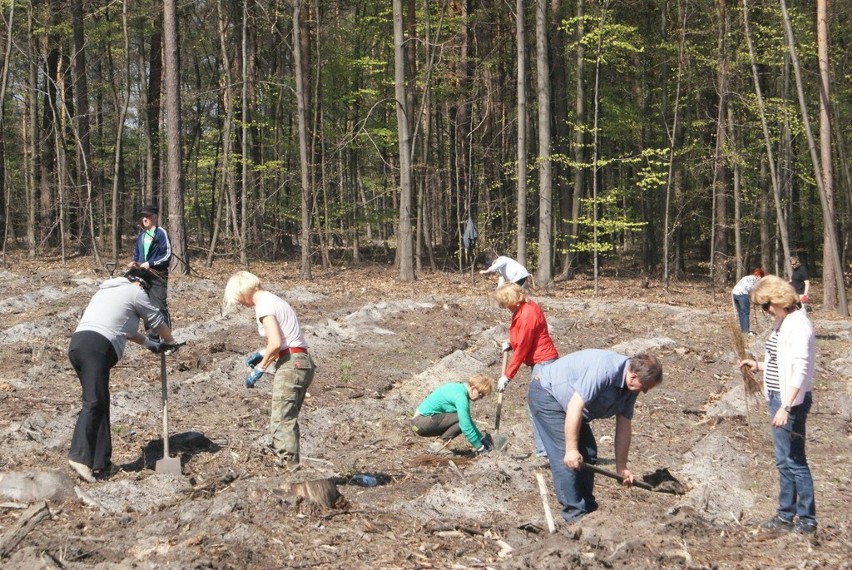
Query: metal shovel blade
[169, 465]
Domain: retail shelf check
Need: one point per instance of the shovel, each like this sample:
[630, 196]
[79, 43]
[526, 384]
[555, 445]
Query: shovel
[167, 464]
[499, 439]
[663, 481]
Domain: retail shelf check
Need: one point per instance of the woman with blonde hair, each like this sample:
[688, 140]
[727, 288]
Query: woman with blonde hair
[445, 413]
[286, 349]
[529, 340]
[788, 371]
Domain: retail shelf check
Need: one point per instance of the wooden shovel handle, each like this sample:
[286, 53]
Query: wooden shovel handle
[500, 394]
[619, 478]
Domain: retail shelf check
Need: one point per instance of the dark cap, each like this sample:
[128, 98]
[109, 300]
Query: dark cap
[149, 210]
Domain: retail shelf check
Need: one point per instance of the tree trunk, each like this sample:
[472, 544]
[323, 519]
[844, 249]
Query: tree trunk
[177, 232]
[81, 124]
[545, 203]
[829, 270]
[299, 44]
[4, 76]
[153, 176]
[827, 207]
[523, 129]
[404, 237]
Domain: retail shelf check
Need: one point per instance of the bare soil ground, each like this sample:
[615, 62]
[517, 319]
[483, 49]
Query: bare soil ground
[380, 347]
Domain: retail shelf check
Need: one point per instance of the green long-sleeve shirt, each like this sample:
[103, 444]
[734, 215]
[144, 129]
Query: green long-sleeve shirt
[452, 398]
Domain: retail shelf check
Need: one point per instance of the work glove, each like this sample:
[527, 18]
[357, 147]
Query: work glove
[169, 349]
[803, 298]
[254, 376]
[505, 346]
[253, 359]
[482, 451]
[153, 345]
[487, 442]
[502, 383]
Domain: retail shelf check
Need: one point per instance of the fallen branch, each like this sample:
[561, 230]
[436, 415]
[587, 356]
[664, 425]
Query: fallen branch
[542, 489]
[30, 519]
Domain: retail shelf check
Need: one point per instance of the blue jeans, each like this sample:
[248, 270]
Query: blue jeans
[539, 445]
[796, 492]
[742, 304]
[574, 489]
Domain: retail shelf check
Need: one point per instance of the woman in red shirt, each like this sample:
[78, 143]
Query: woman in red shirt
[529, 340]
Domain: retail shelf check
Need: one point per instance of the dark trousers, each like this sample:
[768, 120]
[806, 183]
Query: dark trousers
[157, 294]
[92, 356]
[444, 425]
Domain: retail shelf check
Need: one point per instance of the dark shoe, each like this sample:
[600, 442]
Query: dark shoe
[777, 523]
[805, 527]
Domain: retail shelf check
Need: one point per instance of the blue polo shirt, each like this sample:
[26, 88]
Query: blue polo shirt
[598, 376]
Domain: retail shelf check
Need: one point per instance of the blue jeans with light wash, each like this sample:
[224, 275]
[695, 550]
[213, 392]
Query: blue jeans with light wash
[574, 489]
[796, 492]
[539, 445]
[743, 306]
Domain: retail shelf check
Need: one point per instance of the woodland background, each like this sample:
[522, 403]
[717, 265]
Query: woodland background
[673, 137]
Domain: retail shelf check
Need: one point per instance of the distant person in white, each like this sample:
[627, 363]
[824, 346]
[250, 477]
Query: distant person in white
[510, 271]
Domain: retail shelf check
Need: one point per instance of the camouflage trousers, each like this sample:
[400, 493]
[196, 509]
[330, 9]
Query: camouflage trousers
[293, 375]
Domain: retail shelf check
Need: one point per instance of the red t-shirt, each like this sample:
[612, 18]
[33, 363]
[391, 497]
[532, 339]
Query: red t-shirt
[529, 338]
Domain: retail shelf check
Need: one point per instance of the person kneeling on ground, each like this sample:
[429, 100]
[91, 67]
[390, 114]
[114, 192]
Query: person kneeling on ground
[446, 413]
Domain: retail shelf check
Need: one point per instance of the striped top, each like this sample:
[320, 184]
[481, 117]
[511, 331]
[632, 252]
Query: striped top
[770, 372]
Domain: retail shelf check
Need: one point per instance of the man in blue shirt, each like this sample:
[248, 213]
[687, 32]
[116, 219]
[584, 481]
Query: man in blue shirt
[566, 396]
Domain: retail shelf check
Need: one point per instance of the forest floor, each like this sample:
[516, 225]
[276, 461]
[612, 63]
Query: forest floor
[380, 347]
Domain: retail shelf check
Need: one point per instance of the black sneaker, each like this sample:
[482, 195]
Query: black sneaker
[805, 527]
[777, 523]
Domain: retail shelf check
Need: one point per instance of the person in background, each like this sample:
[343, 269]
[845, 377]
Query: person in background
[566, 396]
[153, 252]
[445, 413]
[799, 279]
[742, 300]
[788, 370]
[287, 350]
[110, 319]
[529, 340]
[510, 271]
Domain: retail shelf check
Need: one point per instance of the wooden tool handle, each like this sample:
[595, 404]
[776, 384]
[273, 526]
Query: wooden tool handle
[619, 478]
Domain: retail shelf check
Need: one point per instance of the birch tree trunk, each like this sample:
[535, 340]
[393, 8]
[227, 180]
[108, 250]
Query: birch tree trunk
[829, 271]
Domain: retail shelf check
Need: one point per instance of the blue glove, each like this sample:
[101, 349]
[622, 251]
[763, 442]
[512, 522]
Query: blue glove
[254, 376]
[253, 359]
[153, 346]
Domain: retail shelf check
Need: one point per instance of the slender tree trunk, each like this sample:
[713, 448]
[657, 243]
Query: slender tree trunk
[673, 142]
[404, 237]
[122, 106]
[827, 207]
[153, 175]
[523, 128]
[780, 219]
[302, 120]
[4, 77]
[81, 120]
[177, 232]
[545, 204]
[829, 270]
[719, 241]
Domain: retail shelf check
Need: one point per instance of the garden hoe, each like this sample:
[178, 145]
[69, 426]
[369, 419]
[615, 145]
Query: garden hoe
[499, 439]
[660, 481]
[167, 464]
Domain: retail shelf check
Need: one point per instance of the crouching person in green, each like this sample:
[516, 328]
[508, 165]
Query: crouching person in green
[445, 413]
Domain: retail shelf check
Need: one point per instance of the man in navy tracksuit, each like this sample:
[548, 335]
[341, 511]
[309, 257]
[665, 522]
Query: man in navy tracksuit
[154, 252]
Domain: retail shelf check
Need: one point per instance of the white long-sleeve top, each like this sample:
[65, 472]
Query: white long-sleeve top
[509, 270]
[796, 356]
